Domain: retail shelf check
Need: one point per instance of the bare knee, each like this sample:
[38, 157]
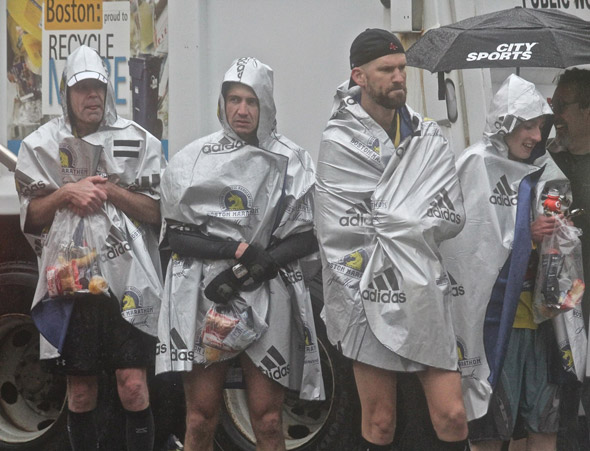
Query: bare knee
[377, 393]
[445, 403]
[451, 423]
[269, 423]
[201, 421]
[82, 393]
[132, 389]
[378, 420]
[200, 427]
[381, 425]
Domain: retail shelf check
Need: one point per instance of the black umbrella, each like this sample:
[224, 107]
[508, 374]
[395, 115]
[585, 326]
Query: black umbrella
[516, 37]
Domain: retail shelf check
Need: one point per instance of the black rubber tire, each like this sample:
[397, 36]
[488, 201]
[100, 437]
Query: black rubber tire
[342, 427]
[18, 280]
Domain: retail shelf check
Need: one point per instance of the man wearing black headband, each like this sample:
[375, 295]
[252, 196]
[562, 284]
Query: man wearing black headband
[386, 196]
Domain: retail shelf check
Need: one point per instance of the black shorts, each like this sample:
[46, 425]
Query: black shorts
[98, 338]
[524, 395]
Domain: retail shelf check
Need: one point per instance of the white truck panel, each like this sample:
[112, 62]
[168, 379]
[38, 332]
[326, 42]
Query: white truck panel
[306, 43]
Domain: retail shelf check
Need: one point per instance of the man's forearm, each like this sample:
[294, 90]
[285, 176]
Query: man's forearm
[41, 210]
[135, 205]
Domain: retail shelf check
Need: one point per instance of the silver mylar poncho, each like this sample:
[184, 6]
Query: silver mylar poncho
[379, 226]
[228, 189]
[474, 258]
[130, 157]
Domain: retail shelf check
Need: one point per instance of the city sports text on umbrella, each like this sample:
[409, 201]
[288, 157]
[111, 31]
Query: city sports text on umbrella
[516, 37]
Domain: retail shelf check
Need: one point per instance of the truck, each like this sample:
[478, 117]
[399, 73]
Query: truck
[307, 44]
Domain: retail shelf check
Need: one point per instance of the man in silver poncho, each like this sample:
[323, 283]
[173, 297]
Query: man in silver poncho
[238, 212]
[94, 163]
[386, 196]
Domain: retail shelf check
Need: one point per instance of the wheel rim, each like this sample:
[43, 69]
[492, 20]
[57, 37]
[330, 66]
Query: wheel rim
[302, 420]
[31, 400]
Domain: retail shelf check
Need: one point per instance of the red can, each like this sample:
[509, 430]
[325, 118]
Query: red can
[552, 204]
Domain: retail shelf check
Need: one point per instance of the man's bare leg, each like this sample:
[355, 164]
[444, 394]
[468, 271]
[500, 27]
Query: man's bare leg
[517, 445]
[376, 388]
[82, 393]
[445, 403]
[133, 389]
[82, 398]
[541, 442]
[203, 390]
[265, 404]
[492, 445]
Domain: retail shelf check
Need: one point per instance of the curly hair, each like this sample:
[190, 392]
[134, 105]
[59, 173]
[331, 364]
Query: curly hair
[580, 79]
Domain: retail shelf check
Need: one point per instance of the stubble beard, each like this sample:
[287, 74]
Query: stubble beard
[391, 103]
[562, 140]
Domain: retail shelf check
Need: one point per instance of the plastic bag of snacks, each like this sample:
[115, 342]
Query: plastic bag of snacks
[229, 329]
[559, 285]
[70, 261]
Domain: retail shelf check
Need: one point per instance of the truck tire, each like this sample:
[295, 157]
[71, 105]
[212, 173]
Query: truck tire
[309, 425]
[32, 402]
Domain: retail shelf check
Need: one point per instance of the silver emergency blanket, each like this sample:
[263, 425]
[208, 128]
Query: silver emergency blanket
[227, 189]
[379, 226]
[474, 258]
[130, 157]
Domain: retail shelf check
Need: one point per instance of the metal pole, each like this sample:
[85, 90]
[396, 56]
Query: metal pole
[7, 158]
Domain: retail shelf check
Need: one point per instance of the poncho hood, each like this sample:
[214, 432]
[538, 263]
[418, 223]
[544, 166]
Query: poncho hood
[258, 76]
[82, 63]
[516, 101]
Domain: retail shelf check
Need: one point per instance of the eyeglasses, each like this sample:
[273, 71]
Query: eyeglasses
[559, 107]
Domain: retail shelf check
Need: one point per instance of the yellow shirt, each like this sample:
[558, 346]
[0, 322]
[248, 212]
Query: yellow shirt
[524, 312]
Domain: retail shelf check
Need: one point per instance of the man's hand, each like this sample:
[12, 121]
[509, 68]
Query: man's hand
[223, 287]
[261, 266]
[83, 198]
[87, 195]
[543, 226]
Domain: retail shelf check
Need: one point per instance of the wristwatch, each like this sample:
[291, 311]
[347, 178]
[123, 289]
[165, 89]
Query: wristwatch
[240, 271]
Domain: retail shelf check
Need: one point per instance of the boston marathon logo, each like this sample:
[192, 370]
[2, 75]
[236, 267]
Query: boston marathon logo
[178, 348]
[309, 342]
[235, 202]
[352, 265]
[503, 195]
[385, 289]
[464, 360]
[137, 230]
[508, 51]
[442, 207]
[180, 265]
[132, 303]
[370, 149]
[224, 145]
[358, 215]
[274, 364]
[67, 160]
[567, 357]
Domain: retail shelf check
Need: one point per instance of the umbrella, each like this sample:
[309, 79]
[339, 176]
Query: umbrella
[516, 37]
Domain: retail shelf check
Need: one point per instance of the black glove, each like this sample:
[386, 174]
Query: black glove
[260, 265]
[223, 287]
